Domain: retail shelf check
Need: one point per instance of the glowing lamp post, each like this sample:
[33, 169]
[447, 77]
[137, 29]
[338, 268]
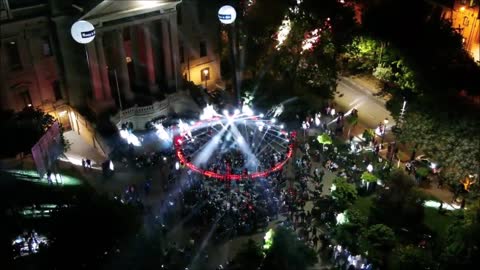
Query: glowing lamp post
[206, 74]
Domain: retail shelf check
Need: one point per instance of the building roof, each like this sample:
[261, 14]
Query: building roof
[100, 11]
[445, 3]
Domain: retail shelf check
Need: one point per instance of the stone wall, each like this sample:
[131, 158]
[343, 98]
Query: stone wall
[178, 103]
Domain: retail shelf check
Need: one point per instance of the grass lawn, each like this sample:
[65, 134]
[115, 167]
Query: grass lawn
[436, 221]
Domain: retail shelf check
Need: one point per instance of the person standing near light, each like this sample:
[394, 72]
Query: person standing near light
[384, 130]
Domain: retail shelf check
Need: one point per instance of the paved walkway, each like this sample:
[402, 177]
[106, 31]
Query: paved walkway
[79, 149]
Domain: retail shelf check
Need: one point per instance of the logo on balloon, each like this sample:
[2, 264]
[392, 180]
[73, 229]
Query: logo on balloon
[88, 34]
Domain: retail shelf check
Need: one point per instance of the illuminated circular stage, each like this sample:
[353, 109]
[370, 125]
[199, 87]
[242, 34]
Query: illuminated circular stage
[233, 146]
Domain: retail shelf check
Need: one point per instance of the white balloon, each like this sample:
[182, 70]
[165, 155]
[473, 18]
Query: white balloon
[83, 32]
[227, 14]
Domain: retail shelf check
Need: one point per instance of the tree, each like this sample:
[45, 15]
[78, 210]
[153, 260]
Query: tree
[250, 256]
[377, 242]
[347, 234]
[24, 128]
[343, 192]
[448, 141]
[399, 205]
[88, 233]
[462, 240]
[288, 253]
[413, 258]
[368, 178]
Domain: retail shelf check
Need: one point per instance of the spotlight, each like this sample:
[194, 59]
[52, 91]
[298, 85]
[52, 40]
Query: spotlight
[282, 126]
[273, 120]
[236, 112]
[262, 115]
[225, 112]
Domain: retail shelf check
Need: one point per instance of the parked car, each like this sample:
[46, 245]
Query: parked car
[423, 161]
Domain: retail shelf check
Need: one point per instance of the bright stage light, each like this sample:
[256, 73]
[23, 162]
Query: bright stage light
[247, 110]
[208, 113]
[262, 115]
[130, 138]
[273, 120]
[236, 112]
[177, 166]
[162, 132]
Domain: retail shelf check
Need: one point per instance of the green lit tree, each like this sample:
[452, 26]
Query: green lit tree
[377, 242]
[399, 205]
[347, 233]
[343, 192]
[448, 142]
[288, 253]
[413, 258]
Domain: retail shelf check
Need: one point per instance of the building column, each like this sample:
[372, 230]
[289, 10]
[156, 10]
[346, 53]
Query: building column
[136, 48]
[103, 68]
[177, 67]
[167, 53]
[149, 57]
[120, 64]
[95, 77]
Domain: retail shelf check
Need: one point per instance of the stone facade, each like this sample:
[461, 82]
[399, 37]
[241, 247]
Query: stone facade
[199, 43]
[136, 52]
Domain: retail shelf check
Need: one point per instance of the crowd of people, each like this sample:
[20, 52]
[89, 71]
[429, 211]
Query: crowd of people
[222, 210]
[267, 148]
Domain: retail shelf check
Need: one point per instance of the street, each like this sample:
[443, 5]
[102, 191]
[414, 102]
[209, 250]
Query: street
[371, 109]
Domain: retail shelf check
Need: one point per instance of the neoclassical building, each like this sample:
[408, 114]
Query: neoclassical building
[142, 49]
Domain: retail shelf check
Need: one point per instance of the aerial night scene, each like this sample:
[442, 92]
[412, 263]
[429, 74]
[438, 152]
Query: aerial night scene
[239, 134]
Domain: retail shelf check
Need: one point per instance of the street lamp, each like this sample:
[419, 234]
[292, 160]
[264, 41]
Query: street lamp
[205, 76]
